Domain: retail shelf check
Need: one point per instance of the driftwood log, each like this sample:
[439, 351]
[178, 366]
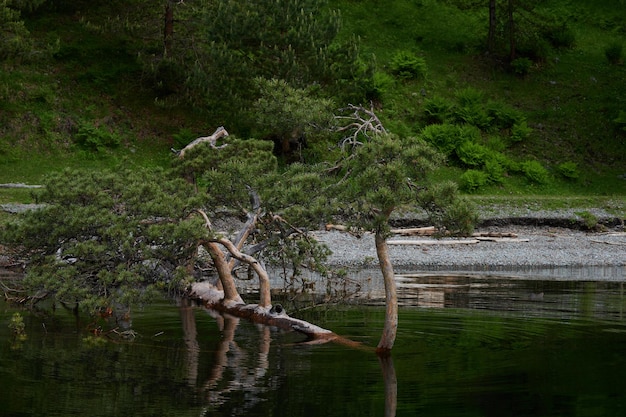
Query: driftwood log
[19, 185]
[433, 242]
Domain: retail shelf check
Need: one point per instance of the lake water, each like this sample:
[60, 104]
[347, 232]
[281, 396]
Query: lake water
[467, 346]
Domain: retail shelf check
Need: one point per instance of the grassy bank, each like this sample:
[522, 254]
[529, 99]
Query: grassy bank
[91, 88]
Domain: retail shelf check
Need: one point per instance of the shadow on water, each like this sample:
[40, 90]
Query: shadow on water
[468, 345]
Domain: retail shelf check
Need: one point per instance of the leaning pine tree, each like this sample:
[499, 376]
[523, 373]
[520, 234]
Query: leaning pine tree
[104, 241]
[381, 173]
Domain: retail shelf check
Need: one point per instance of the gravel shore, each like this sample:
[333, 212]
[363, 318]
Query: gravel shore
[544, 249]
[548, 244]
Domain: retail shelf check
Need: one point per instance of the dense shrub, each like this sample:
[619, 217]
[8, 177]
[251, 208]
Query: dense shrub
[569, 170]
[562, 36]
[472, 154]
[407, 65]
[502, 115]
[494, 170]
[448, 137]
[472, 179]
[534, 47]
[520, 131]
[620, 120]
[15, 40]
[471, 109]
[446, 210]
[379, 84]
[521, 66]
[96, 138]
[613, 53]
[183, 137]
[535, 172]
[438, 110]
[469, 96]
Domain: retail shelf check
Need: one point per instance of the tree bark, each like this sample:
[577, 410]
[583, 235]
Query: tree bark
[264, 280]
[168, 28]
[512, 45]
[391, 385]
[231, 295]
[491, 38]
[391, 297]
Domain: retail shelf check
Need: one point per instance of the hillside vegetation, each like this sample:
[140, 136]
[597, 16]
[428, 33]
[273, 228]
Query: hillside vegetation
[550, 121]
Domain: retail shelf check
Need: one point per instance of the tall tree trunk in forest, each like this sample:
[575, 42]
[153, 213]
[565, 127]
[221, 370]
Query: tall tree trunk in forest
[391, 297]
[512, 45]
[168, 28]
[491, 38]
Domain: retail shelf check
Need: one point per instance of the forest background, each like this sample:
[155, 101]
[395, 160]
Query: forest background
[527, 100]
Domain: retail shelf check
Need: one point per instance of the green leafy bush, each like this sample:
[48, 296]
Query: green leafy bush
[474, 115]
[535, 172]
[621, 120]
[15, 40]
[183, 137]
[534, 47]
[472, 154]
[520, 131]
[446, 210]
[448, 137]
[502, 115]
[613, 52]
[407, 65]
[471, 109]
[561, 36]
[521, 66]
[569, 170]
[496, 143]
[96, 138]
[469, 96]
[495, 171]
[380, 83]
[438, 110]
[472, 179]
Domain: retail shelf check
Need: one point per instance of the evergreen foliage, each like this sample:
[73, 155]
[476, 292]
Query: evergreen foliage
[15, 40]
[291, 40]
[447, 210]
[291, 116]
[407, 65]
[106, 238]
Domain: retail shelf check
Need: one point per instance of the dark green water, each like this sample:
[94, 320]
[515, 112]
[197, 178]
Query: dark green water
[466, 347]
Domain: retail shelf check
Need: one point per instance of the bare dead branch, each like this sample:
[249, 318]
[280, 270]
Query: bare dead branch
[219, 133]
[363, 123]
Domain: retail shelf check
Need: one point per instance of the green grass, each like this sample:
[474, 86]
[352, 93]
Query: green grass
[569, 100]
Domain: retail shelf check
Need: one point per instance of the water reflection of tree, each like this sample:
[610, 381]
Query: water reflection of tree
[236, 373]
[230, 373]
[391, 385]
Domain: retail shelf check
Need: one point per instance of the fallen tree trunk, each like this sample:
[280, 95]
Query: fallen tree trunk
[213, 298]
